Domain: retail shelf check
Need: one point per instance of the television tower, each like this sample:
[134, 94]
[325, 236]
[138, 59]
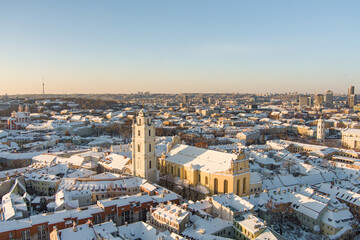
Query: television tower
[43, 85]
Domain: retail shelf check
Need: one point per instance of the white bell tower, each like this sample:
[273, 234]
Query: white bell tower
[320, 130]
[143, 147]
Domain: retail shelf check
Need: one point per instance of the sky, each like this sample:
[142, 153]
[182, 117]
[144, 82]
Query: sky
[173, 46]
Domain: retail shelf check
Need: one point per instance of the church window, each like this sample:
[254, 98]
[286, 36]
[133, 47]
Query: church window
[149, 132]
[139, 133]
[215, 186]
[225, 186]
[150, 164]
[244, 186]
[238, 187]
[149, 147]
[138, 147]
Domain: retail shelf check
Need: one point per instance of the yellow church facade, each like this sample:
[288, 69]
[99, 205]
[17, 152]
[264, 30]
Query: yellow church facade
[217, 171]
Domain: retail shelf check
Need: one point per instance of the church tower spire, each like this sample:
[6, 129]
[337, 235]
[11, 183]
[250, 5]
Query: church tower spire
[143, 147]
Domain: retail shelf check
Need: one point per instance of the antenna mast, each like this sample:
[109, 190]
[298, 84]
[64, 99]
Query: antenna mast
[43, 85]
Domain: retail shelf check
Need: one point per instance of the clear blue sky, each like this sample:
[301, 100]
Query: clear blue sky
[179, 46]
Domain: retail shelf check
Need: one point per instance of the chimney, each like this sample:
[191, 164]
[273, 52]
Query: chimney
[74, 226]
[89, 222]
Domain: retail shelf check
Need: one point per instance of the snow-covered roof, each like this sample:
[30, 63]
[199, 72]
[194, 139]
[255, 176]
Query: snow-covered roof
[115, 161]
[201, 159]
[170, 212]
[141, 230]
[233, 202]
[89, 232]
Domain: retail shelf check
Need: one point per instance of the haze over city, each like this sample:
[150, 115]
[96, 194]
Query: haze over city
[178, 46]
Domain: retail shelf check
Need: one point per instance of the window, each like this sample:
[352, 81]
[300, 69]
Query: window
[215, 186]
[41, 232]
[149, 132]
[97, 219]
[139, 133]
[138, 147]
[206, 180]
[149, 147]
[225, 186]
[25, 235]
[244, 186]
[150, 164]
[238, 187]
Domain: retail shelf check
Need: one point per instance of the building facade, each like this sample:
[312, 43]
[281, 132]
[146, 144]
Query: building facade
[20, 119]
[218, 172]
[320, 130]
[143, 142]
[351, 138]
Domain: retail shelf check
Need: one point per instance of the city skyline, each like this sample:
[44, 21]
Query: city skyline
[169, 47]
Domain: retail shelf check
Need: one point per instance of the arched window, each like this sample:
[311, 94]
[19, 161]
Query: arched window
[206, 180]
[149, 147]
[225, 186]
[150, 164]
[215, 186]
[138, 147]
[139, 133]
[244, 186]
[238, 187]
[199, 178]
[149, 132]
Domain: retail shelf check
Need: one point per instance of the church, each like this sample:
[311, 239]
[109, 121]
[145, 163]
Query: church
[20, 119]
[211, 172]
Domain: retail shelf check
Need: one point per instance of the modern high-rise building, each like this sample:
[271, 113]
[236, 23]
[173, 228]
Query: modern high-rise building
[329, 98]
[143, 143]
[319, 100]
[304, 100]
[351, 90]
[351, 102]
